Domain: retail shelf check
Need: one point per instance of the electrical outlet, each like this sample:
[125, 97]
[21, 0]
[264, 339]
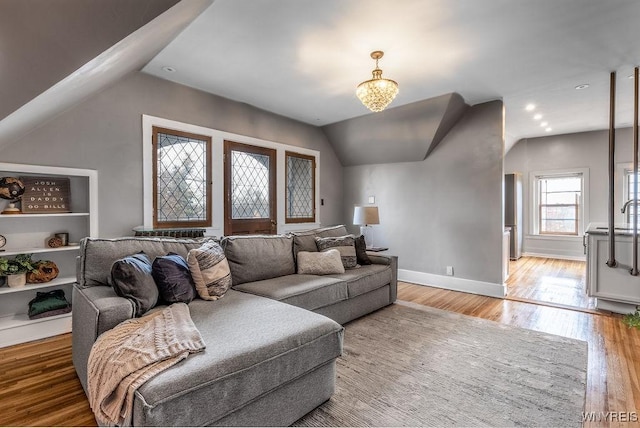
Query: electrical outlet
[372, 199]
[450, 270]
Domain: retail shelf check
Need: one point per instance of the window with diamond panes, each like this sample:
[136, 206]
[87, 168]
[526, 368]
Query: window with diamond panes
[182, 179]
[249, 186]
[300, 192]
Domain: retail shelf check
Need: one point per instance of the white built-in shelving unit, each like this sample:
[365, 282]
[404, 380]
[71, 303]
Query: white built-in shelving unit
[28, 233]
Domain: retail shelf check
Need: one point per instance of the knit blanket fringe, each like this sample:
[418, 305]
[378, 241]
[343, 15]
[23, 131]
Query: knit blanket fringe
[125, 357]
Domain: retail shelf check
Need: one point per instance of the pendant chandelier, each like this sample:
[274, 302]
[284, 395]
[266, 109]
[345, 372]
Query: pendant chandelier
[377, 93]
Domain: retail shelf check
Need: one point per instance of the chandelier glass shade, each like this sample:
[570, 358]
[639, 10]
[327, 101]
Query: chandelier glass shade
[377, 93]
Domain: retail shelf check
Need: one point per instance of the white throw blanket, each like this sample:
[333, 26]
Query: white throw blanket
[125, 357]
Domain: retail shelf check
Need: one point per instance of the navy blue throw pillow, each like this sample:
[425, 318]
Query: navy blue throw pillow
[131, 278]
[173, 279]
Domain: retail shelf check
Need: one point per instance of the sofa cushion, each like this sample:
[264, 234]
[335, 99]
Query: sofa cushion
[254, 258]
[344, 244]
[254, 345]
[173, 279]
[132, 279]
[97, 254]
[306, 240]
[365, 278]
[320, 263]
[305, 291]
[210, 270]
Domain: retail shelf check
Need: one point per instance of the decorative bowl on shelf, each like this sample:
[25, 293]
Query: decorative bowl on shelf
[54, 242]
[46, 271]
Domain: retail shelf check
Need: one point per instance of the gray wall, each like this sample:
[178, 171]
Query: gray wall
[447, 209]
[580, 150]
[105, 133]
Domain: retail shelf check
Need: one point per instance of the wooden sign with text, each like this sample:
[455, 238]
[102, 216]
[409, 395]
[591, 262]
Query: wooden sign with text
[46, 195]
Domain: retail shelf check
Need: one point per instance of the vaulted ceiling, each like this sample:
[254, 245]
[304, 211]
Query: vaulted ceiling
[303, 58]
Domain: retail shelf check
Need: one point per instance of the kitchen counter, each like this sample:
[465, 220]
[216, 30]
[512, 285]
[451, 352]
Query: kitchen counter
[625, 229]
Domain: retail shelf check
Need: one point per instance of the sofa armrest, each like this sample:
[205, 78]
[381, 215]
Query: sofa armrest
[95, 310]
[392, 261]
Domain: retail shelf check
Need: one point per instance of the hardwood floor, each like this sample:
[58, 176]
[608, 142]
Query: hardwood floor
[558, 282]
[38, 385]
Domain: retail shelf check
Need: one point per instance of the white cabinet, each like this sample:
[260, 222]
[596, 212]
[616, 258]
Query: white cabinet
[27, 233]
[616, 289]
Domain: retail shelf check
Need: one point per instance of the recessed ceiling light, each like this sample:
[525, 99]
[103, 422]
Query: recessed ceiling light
[537, 116]
[168, 69]
[530, 107]
[582, 86]
[543, 124]
[549, 129]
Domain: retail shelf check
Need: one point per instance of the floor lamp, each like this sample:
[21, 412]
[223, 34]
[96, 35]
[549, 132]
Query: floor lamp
[364, 217]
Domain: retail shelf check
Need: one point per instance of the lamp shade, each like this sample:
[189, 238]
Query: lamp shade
[365, 215]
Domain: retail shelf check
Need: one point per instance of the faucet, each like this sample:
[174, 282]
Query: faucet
[629, 202]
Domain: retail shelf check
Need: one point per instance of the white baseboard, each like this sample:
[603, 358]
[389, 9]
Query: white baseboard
[556, 256]
[452, 283]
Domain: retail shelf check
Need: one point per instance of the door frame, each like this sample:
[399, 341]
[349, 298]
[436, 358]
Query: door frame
[273, 195]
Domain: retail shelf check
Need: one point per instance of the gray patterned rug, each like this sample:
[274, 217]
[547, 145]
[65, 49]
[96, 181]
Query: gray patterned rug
[411, 365]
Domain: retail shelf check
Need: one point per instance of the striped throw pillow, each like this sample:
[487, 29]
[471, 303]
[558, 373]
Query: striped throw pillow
[344, 244]
[210, 270]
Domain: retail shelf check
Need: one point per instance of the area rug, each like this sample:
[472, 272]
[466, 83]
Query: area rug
[411, 365]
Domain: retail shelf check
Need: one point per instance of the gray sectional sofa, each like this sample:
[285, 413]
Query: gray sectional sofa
[272, 340]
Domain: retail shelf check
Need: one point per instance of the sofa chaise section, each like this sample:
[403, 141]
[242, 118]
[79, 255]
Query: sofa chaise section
[255, 346]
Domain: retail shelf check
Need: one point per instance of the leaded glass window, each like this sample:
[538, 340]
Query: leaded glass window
[182, 179]
[249, 186]
[300, 191]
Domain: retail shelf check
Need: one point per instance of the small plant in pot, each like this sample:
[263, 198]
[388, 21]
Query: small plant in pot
[16, 269]
[632, 320]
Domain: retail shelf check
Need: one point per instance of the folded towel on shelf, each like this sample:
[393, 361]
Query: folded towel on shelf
[48, 303]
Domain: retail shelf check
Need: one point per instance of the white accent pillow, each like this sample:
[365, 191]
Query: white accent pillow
[320, 263]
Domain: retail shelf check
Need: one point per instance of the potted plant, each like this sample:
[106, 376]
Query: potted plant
[16, 269]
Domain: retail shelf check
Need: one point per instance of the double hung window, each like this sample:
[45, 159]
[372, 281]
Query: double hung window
[558, 204]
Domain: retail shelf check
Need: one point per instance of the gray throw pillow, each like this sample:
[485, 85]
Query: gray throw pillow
[131, 278]
[344, 244]
[173, 279]
[209, 270]
[361, 251]
[323, 263]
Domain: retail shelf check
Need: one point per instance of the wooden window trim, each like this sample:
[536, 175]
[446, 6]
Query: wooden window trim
[230, 146]
[208, 188]
[311, 219]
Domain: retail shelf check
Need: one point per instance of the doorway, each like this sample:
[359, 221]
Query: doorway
[551, 282]
[249, 189]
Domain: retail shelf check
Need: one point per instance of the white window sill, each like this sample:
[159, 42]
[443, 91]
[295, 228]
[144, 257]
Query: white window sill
[554, 238]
